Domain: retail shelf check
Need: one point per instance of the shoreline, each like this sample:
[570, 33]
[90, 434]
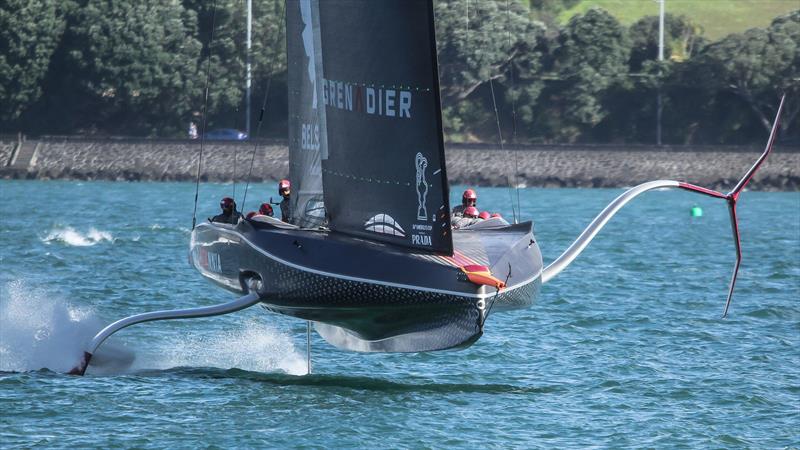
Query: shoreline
[717, 167]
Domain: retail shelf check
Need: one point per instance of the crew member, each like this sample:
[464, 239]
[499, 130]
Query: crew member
[266, 210]
[285, 190]
[471, 212]
[484, 215]
[467, 219]
[229, 213]
[469, 198]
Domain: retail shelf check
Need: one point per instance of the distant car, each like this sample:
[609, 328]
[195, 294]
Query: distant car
[226, 134]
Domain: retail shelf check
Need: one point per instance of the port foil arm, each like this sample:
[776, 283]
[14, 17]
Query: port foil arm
[207, 311]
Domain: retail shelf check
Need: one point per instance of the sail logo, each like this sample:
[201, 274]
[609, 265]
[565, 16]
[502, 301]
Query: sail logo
[308, 46]
[386, 102]
[421, 239]
[421, 232]
[421, 163]
[309, 136]
[385, 224]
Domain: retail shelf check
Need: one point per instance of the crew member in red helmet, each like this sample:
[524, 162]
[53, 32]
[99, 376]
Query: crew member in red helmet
[229, 213]
[469, 198]
[484, 215]
[467, 219]
[285, 191]
[266, 210]
[471, 212]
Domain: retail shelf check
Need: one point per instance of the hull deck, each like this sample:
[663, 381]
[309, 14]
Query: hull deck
[369, 296]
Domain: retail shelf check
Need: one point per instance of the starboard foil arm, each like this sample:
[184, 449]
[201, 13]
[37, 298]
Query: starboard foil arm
[239, 304]
[731, 198]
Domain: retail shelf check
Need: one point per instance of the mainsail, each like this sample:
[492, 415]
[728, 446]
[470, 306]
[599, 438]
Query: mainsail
[384, 173]
[307, 139]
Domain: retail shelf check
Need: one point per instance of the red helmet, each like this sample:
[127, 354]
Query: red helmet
[284, 185]
[484, 215]
[471, 212]
[265, 209]
[496, 215]
[469, 197]
[226, 203]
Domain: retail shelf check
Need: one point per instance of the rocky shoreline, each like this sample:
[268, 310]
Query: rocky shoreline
[479, 165]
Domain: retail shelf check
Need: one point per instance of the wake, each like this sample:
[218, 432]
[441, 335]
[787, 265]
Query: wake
[251, 346]
[41, 331]
[38, 331]
[72, 237]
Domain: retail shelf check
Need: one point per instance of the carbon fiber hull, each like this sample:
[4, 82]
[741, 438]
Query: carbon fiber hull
[368, 296]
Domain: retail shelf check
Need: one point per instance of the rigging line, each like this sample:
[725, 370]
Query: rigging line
[235, 158]
[497, 120]
[502, 148]
[205, 112]
[261, 115]
[513, 107]
[255, 141]
[494, 299]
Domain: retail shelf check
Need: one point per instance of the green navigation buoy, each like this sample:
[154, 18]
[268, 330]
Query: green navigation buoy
[697, 211]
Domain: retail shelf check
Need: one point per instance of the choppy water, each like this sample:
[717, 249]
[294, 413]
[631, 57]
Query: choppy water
[625, 348]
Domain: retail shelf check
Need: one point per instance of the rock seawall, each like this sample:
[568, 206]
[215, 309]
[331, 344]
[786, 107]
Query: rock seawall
[6, 152]
[547, 166]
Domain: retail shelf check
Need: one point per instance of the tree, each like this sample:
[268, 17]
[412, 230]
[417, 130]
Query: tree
[757, 66]
[30, 30]
[591, 57]
[483, 41]
[785, 32]
[132, 65]
[682, 38]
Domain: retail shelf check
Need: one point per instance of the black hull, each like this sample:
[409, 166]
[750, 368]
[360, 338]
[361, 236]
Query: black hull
[368, 296]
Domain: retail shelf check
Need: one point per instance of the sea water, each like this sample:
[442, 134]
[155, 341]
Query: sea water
[624, 348]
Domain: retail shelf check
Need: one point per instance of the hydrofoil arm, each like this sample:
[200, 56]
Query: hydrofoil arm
[731, 198]
[598, 223]
[207, 311]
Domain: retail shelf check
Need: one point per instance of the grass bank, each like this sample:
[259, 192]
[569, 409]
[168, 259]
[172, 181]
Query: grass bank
[717, 17]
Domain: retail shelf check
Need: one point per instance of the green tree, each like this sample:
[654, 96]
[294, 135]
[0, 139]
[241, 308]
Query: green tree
[483, 41]
[547, 11]
[591, 58]
[30, 31]
[133, 65]
[682, 38]
[756, 66]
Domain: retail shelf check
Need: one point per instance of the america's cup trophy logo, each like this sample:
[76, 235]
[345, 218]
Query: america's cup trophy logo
[422, 187]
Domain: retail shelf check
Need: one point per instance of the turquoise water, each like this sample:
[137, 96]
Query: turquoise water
[624, 348]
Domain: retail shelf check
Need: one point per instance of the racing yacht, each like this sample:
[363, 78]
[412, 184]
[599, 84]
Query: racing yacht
[370, 256]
